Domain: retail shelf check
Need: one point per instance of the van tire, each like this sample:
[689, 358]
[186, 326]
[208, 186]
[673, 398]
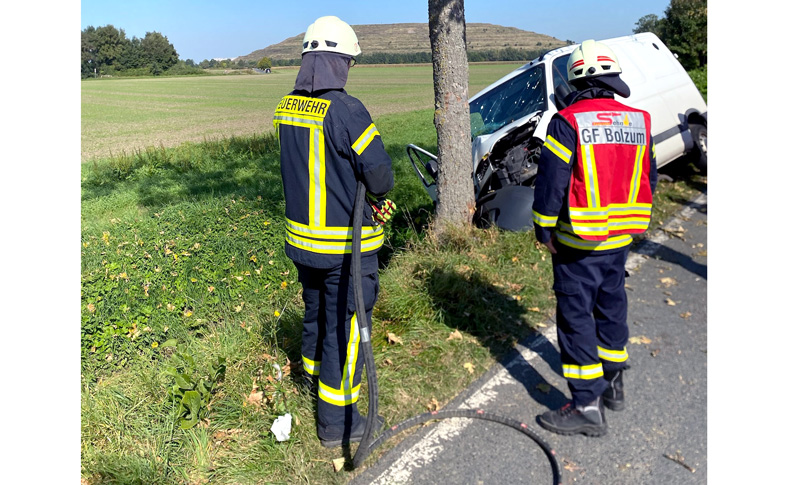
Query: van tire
[699, 152]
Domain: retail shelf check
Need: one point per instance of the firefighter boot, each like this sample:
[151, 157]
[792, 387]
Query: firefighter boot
[589, 420]
[356, 435]
[613, 396]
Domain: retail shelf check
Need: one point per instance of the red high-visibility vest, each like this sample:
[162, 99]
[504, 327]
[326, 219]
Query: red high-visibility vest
[609, 191]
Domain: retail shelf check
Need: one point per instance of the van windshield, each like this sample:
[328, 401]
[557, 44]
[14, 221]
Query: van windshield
[508, 102]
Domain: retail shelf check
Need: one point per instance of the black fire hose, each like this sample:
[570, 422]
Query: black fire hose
[365, 447]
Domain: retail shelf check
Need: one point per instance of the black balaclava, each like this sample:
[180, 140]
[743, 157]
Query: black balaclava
[322, 71]
[610, 82]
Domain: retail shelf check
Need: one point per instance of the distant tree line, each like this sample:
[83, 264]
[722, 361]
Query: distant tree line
[505, 54]
[106, 51]
[684, 28]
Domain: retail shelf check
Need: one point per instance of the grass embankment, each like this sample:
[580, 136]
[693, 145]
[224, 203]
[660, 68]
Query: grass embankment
[185, 244]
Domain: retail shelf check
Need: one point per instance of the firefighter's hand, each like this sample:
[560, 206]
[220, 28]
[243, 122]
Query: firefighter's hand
[382, 210]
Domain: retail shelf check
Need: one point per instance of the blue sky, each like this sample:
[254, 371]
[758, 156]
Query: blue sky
[204, 29]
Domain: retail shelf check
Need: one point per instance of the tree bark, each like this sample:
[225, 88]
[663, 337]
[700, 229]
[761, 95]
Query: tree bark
[447, 28]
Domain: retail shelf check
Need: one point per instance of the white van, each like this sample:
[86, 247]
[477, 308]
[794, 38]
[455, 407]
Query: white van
[509, 119]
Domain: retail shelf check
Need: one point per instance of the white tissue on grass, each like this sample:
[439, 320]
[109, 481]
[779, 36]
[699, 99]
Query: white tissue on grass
[282, 427]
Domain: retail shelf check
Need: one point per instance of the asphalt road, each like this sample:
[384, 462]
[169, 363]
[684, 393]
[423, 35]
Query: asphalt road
[660, 437]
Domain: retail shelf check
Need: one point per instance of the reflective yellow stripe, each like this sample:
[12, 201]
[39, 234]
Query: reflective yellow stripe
[586, 229]
[557, 149]
[601, 220]
[332, 247]
[612, 242]
[311, 366]
[323, 189]
[313, 179]
[347, 393]
[365, 139]
[616, 210]
[637, 175]
[349, 371]
[296, 121]
[590, 176]
[544, 221]
[332, 240]
[626, 223]
[613, 355]
[337, 397]
[331, 232]
[583, 371]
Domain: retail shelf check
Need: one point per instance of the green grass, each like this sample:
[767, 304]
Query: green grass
[175, 245]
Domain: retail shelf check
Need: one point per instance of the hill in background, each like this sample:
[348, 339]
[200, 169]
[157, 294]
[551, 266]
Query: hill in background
[413, 38]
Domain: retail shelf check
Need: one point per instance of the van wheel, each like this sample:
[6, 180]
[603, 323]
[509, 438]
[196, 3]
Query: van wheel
[699, 153]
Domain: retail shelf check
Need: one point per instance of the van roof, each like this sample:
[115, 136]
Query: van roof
[611, 41]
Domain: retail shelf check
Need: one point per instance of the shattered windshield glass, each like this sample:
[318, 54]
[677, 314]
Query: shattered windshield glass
[512, 100]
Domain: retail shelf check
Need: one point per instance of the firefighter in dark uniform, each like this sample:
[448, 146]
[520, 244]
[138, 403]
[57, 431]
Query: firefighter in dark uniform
[328, 143]
[594, 190]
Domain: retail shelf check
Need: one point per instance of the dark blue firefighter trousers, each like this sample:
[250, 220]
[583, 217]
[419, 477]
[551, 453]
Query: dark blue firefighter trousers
[591, 314]
[330, 347]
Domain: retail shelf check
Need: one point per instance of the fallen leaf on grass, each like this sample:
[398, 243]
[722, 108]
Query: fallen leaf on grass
[433, 405]
[455, 335]
[639, 340]
[544, 387]
[225, 434]
[534, 309]
[669, 302]
[256, 397]
[338, 464]
[686, 314]
[387, 362]
[394, 339]
[469, 367]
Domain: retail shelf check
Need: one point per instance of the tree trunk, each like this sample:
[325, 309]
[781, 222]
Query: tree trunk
[456, 196]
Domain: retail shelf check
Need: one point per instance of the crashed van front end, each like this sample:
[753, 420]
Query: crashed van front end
[503, 118]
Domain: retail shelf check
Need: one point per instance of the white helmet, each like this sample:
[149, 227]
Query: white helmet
[592, 59]
[331, 34]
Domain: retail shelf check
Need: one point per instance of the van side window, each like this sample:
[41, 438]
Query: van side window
[560, 72]
[560, 78]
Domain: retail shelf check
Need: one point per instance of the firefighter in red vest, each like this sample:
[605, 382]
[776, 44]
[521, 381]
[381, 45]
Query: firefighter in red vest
[594, 190]
[328, 144]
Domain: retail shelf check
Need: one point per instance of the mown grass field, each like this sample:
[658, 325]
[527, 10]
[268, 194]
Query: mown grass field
[123, 115]
[182, 243]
